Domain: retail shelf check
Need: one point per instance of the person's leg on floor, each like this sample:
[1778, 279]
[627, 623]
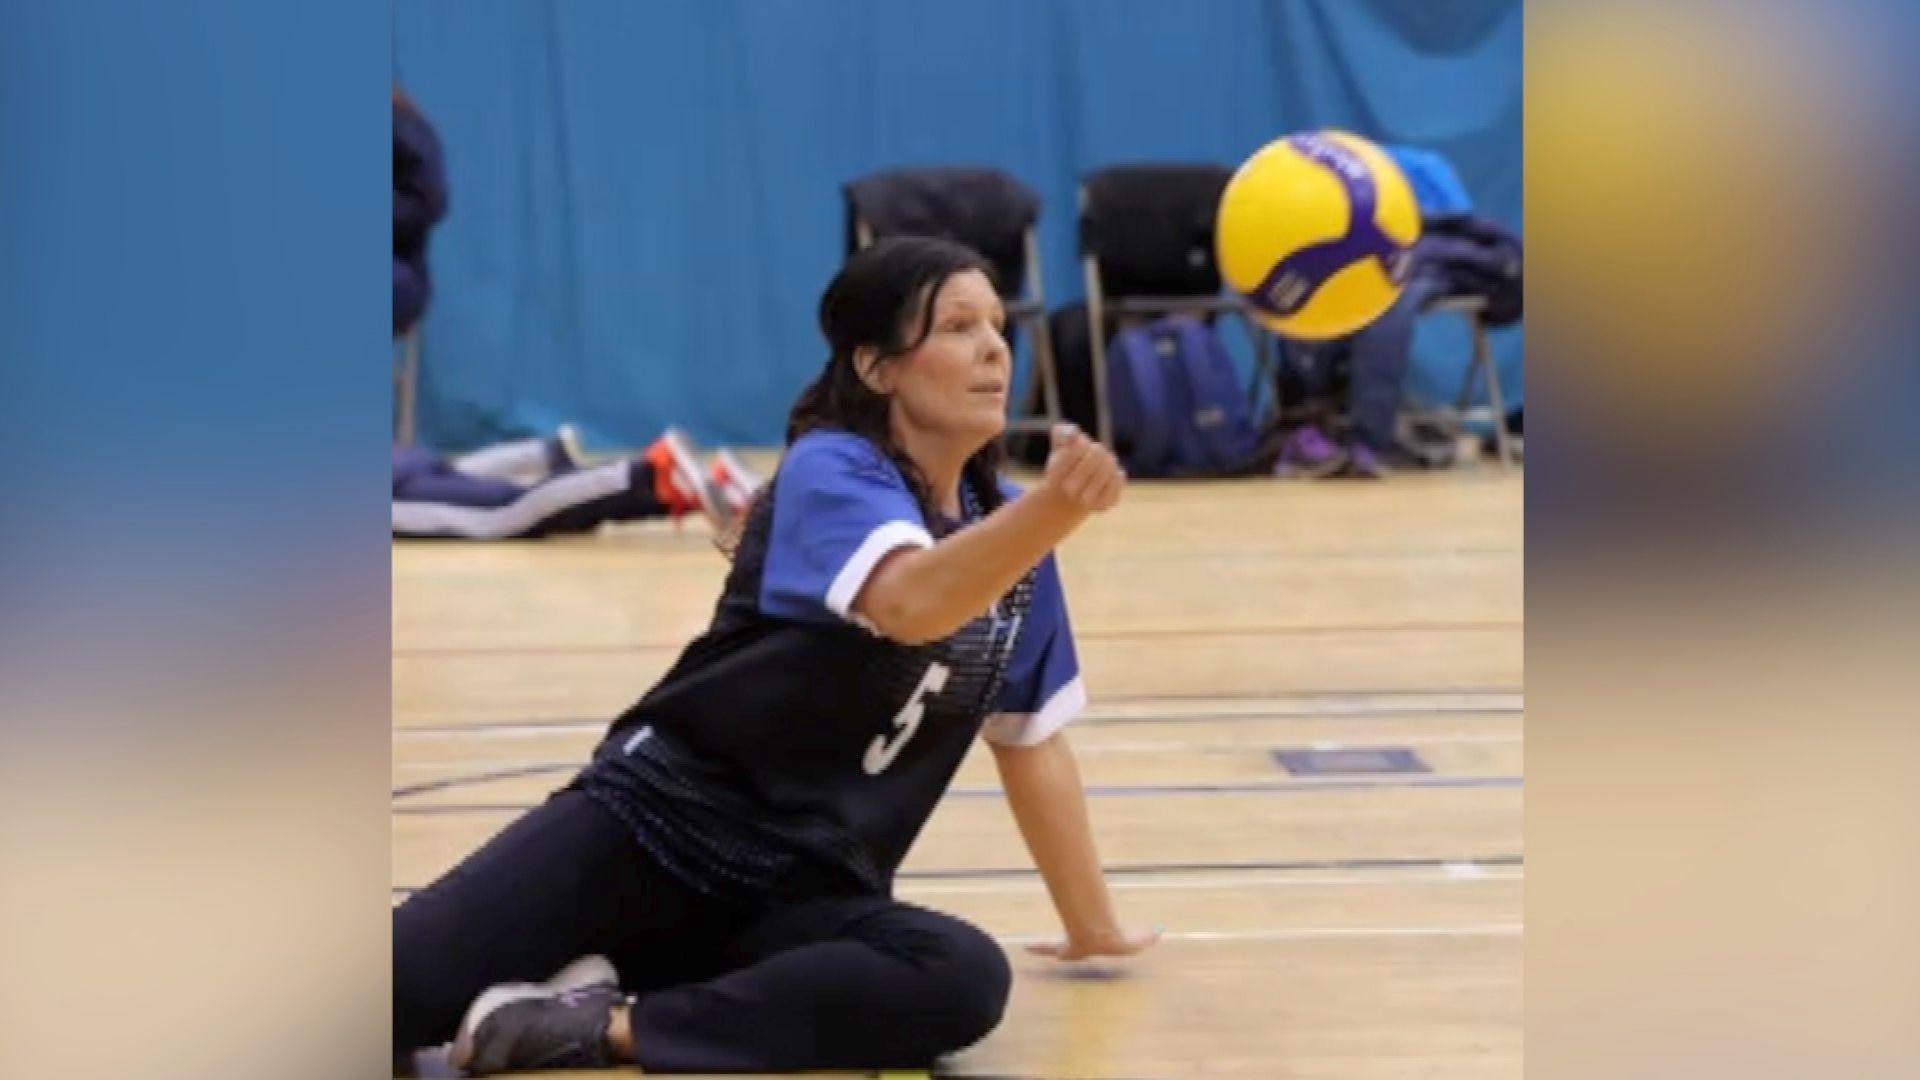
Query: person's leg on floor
[831, 984]
[450, 504]
[563, 881]
[585, 500]
[526, 461]
[1379, 360]
[522, 461]
[410, 463]
[446, 487]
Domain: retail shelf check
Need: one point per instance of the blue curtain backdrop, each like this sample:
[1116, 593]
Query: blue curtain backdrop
[645, 193]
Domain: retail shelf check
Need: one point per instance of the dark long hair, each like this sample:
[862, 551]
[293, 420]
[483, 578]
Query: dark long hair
[884, 298]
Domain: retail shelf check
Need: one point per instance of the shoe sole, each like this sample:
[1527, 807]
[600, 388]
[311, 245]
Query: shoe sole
[1290, 471]
[688, 477]
[582, 973]
[735, 480]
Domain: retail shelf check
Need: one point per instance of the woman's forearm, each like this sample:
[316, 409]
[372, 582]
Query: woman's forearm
[920, 595]
[1050, 806]
[917, 596]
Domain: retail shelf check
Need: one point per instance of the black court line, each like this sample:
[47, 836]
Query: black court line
[1119, 791]
[426, 787]
[968, 873]
[627, 647]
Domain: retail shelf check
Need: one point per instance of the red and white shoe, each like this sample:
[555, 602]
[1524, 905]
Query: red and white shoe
[679, 482]
[735, 483]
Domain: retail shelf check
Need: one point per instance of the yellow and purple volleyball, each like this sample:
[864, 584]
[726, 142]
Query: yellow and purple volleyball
[1315, 231]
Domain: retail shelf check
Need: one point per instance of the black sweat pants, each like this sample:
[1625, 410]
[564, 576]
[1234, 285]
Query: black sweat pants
[821, 982]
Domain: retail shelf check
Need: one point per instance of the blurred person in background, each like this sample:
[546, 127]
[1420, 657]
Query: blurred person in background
[419, 202]
[531, 488]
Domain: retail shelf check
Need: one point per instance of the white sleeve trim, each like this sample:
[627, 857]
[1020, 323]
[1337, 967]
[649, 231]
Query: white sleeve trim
[881, 541]
[1032, 729]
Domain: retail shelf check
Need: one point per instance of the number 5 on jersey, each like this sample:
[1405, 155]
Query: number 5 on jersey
[884, 748]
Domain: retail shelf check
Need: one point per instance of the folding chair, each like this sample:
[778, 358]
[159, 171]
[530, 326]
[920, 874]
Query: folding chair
[1472, 308]
[1442, 192]
[406, 385]
[990, 212]
[1146, 247]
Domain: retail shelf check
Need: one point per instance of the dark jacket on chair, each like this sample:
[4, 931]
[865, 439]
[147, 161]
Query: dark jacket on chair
[1473, 256]
[419, 200]
[984, 209]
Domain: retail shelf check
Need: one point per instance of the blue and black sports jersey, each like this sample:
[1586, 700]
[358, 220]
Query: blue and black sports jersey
[788, 733]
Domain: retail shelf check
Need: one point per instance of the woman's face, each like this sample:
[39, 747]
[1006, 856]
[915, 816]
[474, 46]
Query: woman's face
[954, 384]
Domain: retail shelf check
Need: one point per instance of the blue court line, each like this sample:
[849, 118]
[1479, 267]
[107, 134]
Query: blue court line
[488, 776]
[1009, 1076]
[1274, 787]
[1435, 712]
[1392, 702]
[964, 873]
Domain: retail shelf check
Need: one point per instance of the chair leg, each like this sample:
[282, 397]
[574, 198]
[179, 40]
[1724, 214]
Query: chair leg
[1049, 375]
[1042, 332]
[406, 387]
[1464, 400]
[1263, 367]
[1103, 409]
[1483, 359]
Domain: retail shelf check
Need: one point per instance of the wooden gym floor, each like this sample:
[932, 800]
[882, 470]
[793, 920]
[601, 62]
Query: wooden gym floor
[1351, 914]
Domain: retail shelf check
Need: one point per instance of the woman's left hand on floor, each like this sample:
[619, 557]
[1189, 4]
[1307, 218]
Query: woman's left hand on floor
[1114, 943]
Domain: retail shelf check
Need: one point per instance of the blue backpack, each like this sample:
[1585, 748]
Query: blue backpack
[1179, 408]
